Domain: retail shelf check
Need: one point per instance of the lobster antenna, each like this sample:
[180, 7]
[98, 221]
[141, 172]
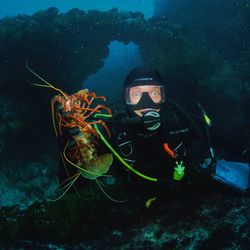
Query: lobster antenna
[48, 85]
[69, 179]
[67, 171]
[69, 186]
[112, 199]
[53, 117]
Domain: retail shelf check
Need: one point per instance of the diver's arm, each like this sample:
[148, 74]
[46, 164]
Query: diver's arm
[65, 140]
[191, 128]
[205, 160]
[201, 157]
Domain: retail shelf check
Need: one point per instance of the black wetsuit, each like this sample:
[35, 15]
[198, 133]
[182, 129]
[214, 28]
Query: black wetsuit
[185, 134]
[183, 131]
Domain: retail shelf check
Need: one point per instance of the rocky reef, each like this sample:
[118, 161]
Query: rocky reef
[64, 49]
[205, 218]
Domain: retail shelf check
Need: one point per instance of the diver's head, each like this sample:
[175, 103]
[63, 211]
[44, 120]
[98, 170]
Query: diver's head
[144, 91]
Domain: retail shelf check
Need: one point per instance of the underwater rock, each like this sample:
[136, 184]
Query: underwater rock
[198, 220]
[66, 48]
[23, 185]
[225, 31]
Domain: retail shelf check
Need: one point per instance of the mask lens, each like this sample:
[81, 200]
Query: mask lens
[133, 94]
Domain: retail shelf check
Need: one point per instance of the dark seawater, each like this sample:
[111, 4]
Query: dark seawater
[201, 48]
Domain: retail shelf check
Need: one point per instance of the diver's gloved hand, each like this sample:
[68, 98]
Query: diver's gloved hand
[74, 131]
[67, 137]
[68, 134]
[246, 154]
[208, 166]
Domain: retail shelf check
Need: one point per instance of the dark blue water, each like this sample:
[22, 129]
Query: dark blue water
[14, 7]
[122, 58]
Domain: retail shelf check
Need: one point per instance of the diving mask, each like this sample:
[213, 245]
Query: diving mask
[134, 94]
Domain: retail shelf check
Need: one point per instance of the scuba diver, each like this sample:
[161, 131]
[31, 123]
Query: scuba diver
[164, 143]
[159, 142]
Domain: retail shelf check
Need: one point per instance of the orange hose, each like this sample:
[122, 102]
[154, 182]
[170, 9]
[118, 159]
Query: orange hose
[169, 151]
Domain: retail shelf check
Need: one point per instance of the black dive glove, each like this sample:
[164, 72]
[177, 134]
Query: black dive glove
[246, 155]
[67, 134]
[208, 166]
